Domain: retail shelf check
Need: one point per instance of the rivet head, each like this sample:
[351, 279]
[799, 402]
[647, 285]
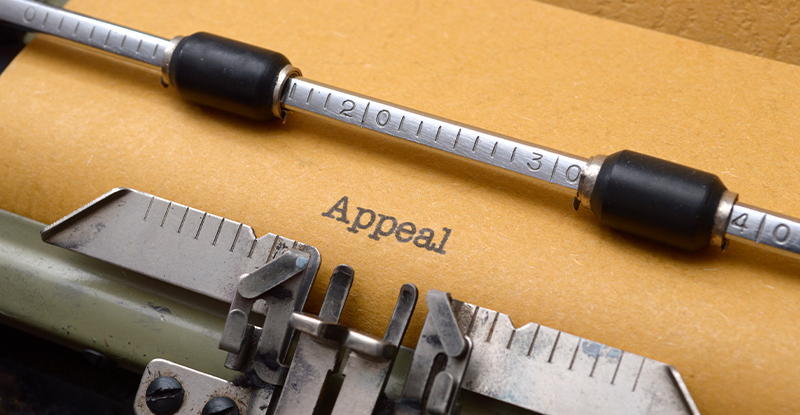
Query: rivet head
[164, 395]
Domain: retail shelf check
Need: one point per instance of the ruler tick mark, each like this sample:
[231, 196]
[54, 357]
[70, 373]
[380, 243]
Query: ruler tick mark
[218, 231]
[164, 219]
[236, 238]
[154, 51]
[553, 173]
[326, 100]
[45, 18]
[366, 110]
[199, 228]
[291, 93]
[419, 129]
[122, 45]
[252, 248]
[619, 362]
[474, 146]
[575, 354]
[91, 34]
[309, 95]
[761, 229]
[437, 134]
[553, 351]
[455, 143]
[139, 46]
[494, 149]
[60, 23]
[472, 320]
[108, 35]
[148, 209]
[273, 251]
[638, 375]
[594, 366]
[401, 123]
[513, 153]
[513, 333]
[183, 219]
[491, 330]
[536, 333]
[74, 32]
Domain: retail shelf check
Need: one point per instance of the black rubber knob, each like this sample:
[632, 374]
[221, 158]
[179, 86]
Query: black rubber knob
[225, 74]
[657, 199]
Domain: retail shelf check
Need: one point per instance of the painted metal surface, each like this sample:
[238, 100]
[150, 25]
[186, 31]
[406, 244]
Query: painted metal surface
[84, 303]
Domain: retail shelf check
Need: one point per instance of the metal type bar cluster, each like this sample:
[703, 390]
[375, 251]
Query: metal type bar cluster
[335, 369]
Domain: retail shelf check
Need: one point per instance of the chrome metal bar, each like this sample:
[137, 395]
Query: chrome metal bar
[43, 18]
[302, 95]
[760, 227]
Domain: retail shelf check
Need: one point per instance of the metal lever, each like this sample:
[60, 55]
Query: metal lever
[317, 354]
[278, 285]
[272, 274]
[250, 288]
[444, 320]
[440, 361]
[339, 335]
[313, 361]
[365, 378]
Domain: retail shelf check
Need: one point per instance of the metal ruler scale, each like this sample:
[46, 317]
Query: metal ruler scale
[612, 380]
[85, 30]
[304, 96]
[171, 242]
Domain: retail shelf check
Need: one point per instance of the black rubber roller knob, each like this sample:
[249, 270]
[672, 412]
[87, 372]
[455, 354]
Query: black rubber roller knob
[657, 199]
[225, 74]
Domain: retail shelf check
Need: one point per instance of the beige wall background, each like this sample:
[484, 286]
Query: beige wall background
[765, 28]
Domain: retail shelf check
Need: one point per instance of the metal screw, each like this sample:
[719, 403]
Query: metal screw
[220, 406]
[98, 359]
[164, 395]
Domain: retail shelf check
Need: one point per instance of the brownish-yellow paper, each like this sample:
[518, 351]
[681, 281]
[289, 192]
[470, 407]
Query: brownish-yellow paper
[75, 124]
[762, 28]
